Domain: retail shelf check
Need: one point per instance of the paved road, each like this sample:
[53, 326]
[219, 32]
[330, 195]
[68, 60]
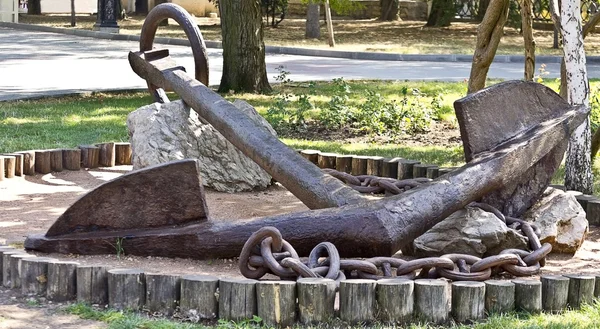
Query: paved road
[38, 63]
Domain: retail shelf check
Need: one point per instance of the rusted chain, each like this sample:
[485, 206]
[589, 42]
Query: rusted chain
[375, 184]
[267, 252]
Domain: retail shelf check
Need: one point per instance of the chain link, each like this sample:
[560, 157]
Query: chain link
[266, 252]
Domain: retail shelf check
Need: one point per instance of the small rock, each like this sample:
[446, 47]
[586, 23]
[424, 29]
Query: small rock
[469, 231]
[561, 220]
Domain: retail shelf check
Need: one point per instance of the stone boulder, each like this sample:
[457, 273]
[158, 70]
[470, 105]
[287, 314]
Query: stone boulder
[469, 231]
[161, 133]
[561, 219]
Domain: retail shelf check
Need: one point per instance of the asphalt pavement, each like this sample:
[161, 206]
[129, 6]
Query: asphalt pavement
[35, 64]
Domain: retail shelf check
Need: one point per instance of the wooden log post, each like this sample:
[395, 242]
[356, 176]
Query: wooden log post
[581, 290]
[420, 170]
[3, 249]
[374, 165]
[18, 163]
[433, 172]
[499, 296]
[162, 293]
[311, 155]
[316, 300]
[122, 154]
[406, 168]
[583, 199]
[56, 158]
[390, 167]
[90, 156]
[107, 154]
[528, 295]
[62, 281]
[28, 162]
[237, 299]
[34, 275]
[9, 166]
[6, 272]
[276, 303]
[198, 296]
[592, 212]
[126, 289]
[92, 284]
[326, 160]
[343, 163]
[359, 165]
[555, 292]
[357, 300]
[468, 301]
[431, 300]
[15, 269]
[395, 300]
[71, 159]
[42, 162]
[597, 287]
[2, 170]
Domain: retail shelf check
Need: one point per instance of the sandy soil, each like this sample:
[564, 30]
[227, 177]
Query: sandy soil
[30, 205]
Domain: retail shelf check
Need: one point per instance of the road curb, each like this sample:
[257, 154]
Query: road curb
[357, 55]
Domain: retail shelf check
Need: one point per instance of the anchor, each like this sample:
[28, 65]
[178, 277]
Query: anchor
[514, 135]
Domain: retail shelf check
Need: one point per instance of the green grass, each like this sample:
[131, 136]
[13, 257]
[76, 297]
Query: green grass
[587, 317]
[70, 121]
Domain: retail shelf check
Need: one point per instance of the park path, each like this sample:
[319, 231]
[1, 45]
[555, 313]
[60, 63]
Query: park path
[40, 63]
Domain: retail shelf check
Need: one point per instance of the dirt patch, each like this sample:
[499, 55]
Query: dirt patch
[32, 204]
[17, 312]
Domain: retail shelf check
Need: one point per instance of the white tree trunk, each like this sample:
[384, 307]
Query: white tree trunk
[578, 171]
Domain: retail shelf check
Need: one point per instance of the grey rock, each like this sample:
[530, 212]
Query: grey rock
[561, 219]
[164, 132]
[469, 231]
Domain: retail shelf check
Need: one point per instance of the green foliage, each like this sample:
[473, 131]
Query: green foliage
[341, 7]
[514, 15]
[274, 10]
[595, 108]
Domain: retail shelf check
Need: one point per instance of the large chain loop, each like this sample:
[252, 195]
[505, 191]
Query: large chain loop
[267, 252]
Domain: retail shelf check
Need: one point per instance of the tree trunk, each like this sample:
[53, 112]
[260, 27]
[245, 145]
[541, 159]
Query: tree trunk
[482, 8]
[527, 27]
[313, 29]
[389, 10]
[489, 33]
[442, 12]
[73, 22]
[33, 7]
[244, 67]
[578, 170]
[330, 37]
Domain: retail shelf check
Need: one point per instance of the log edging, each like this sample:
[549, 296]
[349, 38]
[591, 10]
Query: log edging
[241, 299]
[114, 154]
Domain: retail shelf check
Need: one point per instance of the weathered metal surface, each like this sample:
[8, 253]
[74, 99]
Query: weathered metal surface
[159, 196]
[493, 115]
[298, 175]
[359, 230]
[182, 17]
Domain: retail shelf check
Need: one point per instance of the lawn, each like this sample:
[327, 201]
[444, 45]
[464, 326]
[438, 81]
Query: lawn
[587, 317]
[405, 37]
[75, 120]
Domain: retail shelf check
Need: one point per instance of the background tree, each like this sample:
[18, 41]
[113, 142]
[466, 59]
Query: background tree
[529, 42]
[442, 13]
[244, 67]
[578, 169]
[313, 27]
[389, 10]
[489, 32]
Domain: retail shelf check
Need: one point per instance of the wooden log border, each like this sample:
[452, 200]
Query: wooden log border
[111, 154]
[307, 301]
